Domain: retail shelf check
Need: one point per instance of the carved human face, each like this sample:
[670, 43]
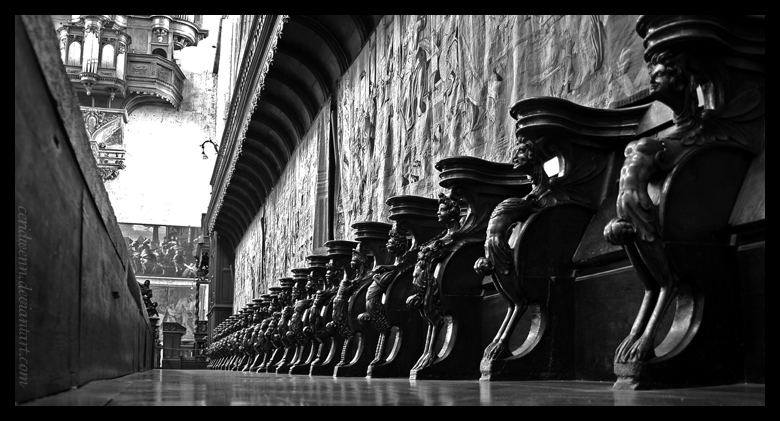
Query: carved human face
[396, 244]
[522, 155]
[418, 270]
[311, 286]
[335, 273]
[357, 260]
[660, 80]
[443, 213]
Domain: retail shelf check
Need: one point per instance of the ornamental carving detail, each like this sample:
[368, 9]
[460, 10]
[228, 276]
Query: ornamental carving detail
[383, 276]
[674, 79]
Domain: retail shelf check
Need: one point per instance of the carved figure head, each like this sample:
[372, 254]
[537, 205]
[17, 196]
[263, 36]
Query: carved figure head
[296, 294]
[397, 244]
[316, 277]
[359, 259]
[335, 272]
[669, 83]
[311, 286]
[449, 210]
[275, 305]
[525, 156]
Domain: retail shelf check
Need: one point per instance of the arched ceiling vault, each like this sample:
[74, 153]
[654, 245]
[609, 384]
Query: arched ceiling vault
[313, 52]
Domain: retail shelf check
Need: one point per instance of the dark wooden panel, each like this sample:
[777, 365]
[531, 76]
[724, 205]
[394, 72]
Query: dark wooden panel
[48, 223]
[63, 261]
[752, 274]
[109, 314]
[593, 249]
[605, 307]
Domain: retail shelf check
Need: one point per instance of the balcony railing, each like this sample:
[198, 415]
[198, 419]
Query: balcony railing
[154, 77]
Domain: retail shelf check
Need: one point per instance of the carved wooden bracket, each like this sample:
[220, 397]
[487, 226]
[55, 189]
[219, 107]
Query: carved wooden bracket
[360, 341]
[338, 273]
[678, 190]
[414, 222]
[447, 293]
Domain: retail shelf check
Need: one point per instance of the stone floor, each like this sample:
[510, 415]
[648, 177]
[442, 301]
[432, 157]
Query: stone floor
[204, 387]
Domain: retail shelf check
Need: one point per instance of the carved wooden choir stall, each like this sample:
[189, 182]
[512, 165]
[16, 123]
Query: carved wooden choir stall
[482, 281]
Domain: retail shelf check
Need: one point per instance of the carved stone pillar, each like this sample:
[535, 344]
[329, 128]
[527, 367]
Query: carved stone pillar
[121, 56]
[93, 25]
[62, 33]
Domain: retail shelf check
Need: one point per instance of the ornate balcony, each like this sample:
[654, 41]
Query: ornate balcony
[152, 80]
[185, 29]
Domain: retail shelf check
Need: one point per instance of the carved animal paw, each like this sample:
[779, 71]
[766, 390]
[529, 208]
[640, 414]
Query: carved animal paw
[495, 351]
[642, 350]
[424, 361]
[414, 302]
[622, 349]
[364, 318]
[618, 232]
[484, 266]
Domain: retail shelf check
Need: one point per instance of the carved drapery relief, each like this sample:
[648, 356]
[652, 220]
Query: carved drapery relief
[431, 87]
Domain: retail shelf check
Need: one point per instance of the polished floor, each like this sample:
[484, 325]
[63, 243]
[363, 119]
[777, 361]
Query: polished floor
[204, 387]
